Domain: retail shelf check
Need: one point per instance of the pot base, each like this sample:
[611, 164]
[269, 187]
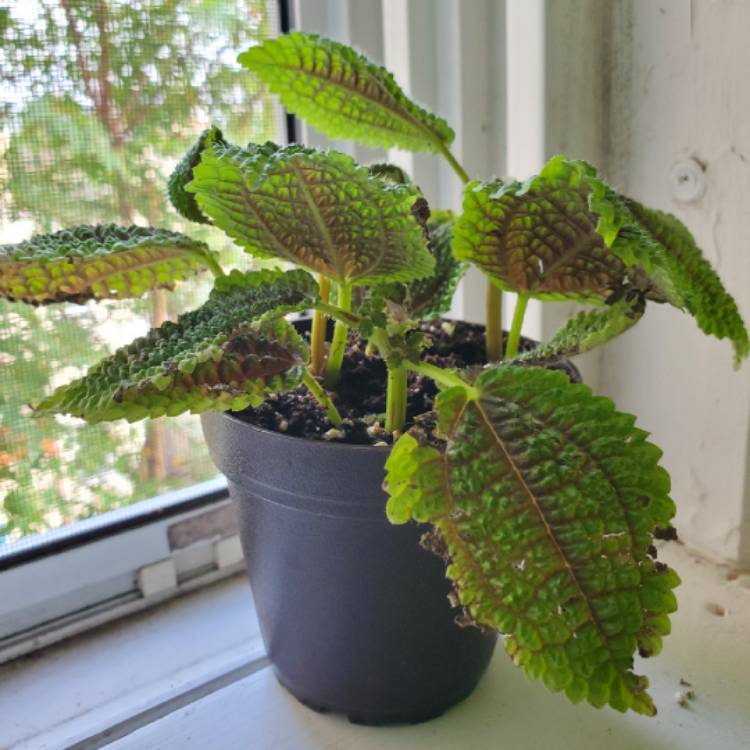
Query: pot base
[378, 719]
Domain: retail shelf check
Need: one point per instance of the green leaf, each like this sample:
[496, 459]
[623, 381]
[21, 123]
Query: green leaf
[432, 296]
[318, 210]
[697, 286]
[539, 237]
[226, 355]
[98, 262]
[545, 498]
[183, 201]
[343, 94]
[390, 173]
[588, 330]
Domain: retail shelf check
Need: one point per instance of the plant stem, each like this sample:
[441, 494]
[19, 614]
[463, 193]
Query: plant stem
[514, 337]
[345, 316]
[443, 377]
[396, 396]
[493, 329]
[309, 379]
[211, 263]
[457, 168]
[318, 332]
[493, 332]
[340, 333]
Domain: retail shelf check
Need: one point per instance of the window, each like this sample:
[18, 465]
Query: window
[99, 100]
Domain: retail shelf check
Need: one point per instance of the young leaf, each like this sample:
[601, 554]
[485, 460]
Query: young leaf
[318, 210]
[390, 173]
[98, 262]
[545, 499]
[228, 354]
[432, 296]
[697, 285]
[539, 237]
[343, 94]
[183, 201]
[588, 330]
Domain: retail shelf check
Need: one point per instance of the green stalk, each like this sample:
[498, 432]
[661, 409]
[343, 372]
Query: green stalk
[457, 168]
[493, 329]
[322, 398]
[396, 397]
[445, 378]
[340, 333]
[514, 337]
[493, 332]
[318, 332]
[211, 263]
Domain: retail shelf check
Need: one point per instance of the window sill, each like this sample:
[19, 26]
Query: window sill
[193, 674]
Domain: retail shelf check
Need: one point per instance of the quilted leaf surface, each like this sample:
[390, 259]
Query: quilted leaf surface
[544, 499]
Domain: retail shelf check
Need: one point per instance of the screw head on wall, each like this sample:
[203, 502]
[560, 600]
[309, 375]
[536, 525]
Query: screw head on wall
[687, 181]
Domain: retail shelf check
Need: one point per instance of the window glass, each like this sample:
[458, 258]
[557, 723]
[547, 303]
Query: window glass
[98, 100]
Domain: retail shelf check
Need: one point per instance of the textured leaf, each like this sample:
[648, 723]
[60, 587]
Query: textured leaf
[545, 499]
[183, 201]
[588, 330]
[228, 354]
[97, 262]
[697, 285]
[343, 94]
[319, 210]
[389, 172]
[539, 237]
[432, 296]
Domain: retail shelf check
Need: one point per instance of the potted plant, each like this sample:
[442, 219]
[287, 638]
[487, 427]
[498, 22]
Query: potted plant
[540, 500]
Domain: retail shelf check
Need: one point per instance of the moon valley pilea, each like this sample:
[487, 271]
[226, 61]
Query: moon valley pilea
[543, 498]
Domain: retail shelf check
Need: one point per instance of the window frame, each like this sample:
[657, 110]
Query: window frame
[62, 582]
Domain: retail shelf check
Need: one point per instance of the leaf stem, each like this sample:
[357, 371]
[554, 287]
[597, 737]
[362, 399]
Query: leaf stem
[340, 333]
[443, 377]
[309, 379]
[457, 168]
[318, 332]
[493, 332]
[514, 337]
[212, 264]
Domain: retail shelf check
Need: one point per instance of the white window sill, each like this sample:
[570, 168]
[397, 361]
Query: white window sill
[193, 674]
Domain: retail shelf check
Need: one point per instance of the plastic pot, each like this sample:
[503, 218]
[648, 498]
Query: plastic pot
[353, 612]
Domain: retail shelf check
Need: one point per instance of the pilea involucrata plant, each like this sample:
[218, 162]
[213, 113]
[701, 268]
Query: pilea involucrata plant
[542, 497]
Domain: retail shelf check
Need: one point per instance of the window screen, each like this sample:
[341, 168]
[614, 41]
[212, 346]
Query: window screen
[98, 100]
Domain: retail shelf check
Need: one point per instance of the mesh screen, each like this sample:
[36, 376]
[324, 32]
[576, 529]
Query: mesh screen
[98, 100]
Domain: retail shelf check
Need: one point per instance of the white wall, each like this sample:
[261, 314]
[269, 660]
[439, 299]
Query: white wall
[679, 90]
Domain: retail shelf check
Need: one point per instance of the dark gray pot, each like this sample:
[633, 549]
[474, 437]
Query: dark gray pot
[354, 613]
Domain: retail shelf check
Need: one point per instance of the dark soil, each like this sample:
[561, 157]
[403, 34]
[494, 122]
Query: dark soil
[360, 394]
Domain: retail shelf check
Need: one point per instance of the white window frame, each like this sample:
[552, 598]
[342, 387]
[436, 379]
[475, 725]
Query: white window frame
[65, 581]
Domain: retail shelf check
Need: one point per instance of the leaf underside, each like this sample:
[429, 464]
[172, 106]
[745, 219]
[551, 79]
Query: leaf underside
[318, 210]
[544, 500]
[587, 330]
[343, 94]
[432, 296]
[226, 355]
[699, 287]
[97, 262]
[183, 201]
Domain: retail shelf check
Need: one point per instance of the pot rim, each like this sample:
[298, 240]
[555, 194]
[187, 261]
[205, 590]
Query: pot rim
[280, 436]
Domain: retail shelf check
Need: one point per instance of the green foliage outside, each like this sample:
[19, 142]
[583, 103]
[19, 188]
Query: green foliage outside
[99, 99]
